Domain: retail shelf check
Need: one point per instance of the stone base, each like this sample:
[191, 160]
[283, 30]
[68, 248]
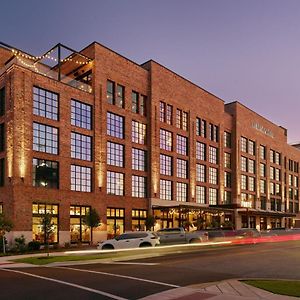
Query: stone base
[64, 237]
[10, 236]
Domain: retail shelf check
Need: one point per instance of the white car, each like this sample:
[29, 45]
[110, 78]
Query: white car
[134, 239]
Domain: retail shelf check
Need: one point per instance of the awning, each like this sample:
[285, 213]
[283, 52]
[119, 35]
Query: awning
[260, 212]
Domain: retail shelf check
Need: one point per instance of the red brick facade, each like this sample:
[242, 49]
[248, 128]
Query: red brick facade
[158, 84]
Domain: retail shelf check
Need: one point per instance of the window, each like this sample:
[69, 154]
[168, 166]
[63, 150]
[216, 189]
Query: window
[169, 114]
[81, 179]
[115, 183]
[251, 184]
[45, 173]
[120, 100]
[200, 151]
[277, 174]
[200, 194]
[201, 173]
[251, 166]
[166, 165]
[201, 127]
[262, 152]
[115, 125]
[45, 103]
[138, 217]
[246, 200]
[244, 164]
[45, 138]
[139, 158]
[135, 100]
[182, 144]
[251, 147]
[2, 137]
[143, 105]
[138, 103]
[277, 158]
[272, 188]
[139, 186]
[181, 191]
[38, 212]
[182, 168]
[262, 168]
[263, 186]
[138, 132]
[227, 160]
[227, 139]
[162, 111]
[181, 119]
[227, 197]
[213, 155]
[213, 175]
[213, 196]
[213, 132]
[115, 154]
[115, 221]
[2, 171]
[165, 140]
[2, 101]
[272, 156]
[110, 92]
[243, 144]
[81, 146]
[227, 181]
[165, 189]
[81, 114]
[272, 173]
[1, 209]
[79, 231]
[243, 182]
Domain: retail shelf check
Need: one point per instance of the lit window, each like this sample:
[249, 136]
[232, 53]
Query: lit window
[182, 144]
[227, 139]
[201, 127]
[138, 132]
[81, 114]
[213, 155]
[166, 165]
[165, 189]
[110, 92]
[139, 159]
[181, 191]
[139, 186]
[45, 138]
[213, 175]
[200, 151]
[182, 168]
[200, 173]
[115, 154]
[81, 146]
[200, 194]
[115, 183]
[213, 196]
[115, 125]
[45, 173]
[165, 140]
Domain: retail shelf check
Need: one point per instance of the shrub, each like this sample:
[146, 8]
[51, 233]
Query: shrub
[20, 244]
[34, 245]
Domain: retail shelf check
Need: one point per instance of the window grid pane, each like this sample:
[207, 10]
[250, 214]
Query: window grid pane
[139, 186]
[81, 178]
[165, 189]
[166, 165]
[165, 140]
[115, 154]
[45, 138]
[181, 190]
[81, 146]
[115, 183]
[45, 103]
[81, 114]
[181, 144]
[139, 159]
[138, 133]
[115, 125]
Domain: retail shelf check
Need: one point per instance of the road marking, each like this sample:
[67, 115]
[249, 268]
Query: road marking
[128, 263]
[68, 283]
[121, 276]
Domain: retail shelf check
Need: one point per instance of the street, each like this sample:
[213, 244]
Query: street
[140, 278]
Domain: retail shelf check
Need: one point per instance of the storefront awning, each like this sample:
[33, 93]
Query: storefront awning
[260, 212]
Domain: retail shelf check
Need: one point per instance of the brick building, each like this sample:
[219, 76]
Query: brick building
[92, 129]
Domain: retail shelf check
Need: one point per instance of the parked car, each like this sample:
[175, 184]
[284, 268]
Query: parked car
[134, 239]
[177, 235]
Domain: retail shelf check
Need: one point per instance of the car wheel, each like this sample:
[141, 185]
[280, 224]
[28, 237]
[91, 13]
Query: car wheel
[107, 247]
[194, 241]
[142, 245]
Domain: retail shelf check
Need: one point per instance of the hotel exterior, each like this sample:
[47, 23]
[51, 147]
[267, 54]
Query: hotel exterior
[92, 129]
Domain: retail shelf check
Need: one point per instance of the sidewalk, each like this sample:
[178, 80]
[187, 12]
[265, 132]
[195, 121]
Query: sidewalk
[223, 290]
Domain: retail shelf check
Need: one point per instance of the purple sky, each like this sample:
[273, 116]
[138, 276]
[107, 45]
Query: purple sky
[239, 50]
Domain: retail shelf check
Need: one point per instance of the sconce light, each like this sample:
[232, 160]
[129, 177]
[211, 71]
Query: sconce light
[22, 178]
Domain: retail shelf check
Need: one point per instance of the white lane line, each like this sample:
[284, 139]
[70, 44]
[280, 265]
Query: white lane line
[128, 263]
[120, 276]
[67, 283]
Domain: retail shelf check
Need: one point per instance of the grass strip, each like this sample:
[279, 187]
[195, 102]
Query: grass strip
[281, 287]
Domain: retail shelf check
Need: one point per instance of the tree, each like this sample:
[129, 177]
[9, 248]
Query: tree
[150, 222]
[92, 220]
[5, 226]
[47, 228]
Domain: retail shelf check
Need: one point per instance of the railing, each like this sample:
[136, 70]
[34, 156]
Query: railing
[45, 70]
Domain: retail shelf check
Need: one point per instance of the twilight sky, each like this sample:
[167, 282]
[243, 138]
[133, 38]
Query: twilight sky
[245, 50]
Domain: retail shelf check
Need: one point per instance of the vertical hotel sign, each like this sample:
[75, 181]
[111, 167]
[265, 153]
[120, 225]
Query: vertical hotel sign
[262, 129]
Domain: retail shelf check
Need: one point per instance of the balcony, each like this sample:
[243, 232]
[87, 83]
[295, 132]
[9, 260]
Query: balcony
[60, 63]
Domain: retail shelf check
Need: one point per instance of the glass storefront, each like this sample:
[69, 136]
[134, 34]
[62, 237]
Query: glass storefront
[38, 212]
[138, 219]
[80, 233]
[115, 221]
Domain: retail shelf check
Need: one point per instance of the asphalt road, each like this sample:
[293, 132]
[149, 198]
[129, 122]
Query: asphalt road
[140, 278]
